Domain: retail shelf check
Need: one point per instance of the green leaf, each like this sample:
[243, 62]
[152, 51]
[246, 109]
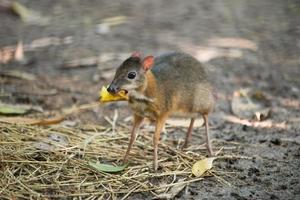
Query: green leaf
[12, 109]
[107, 168]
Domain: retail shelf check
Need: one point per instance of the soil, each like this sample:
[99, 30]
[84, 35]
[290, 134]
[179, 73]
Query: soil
[270, 65]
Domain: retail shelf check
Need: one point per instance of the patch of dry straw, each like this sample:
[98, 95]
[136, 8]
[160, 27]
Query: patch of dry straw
[52, 162]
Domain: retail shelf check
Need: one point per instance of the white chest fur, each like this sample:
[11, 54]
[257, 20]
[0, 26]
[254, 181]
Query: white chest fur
[141, 105]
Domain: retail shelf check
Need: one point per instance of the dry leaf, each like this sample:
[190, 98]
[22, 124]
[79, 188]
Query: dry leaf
[106, 24]
[19, 75]
[233, 43]
[94, 60]
[48, 121]
[83, 62]
[184, 122]
[295, 140]
[57, 140]
[263, 124]
[105, 96]
[173, 191]
[32, 121]
[116, 20]
[107, 167]
[29, 16]
[44, 146]
[201, 166]
[207, 53]
[14, 109]
[245, 106]
[102, 28]
[19, 53]
[262, 114]
[45, 41]
[6, 54]
[16, 52]
[10, 53]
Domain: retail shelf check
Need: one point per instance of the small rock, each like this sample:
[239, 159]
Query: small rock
[273, 196]
[276, 141]
[102, 29]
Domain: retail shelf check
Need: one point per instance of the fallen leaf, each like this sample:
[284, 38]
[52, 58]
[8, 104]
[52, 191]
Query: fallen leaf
[106, 24]
[69, 123]
[74, 58]
[44, 42]
[263, 124]
[16, 52]
[106, 167]
[48, 121]
[102, 28]
[207, 53]
[59, 138]
[259, 95]
[57, 141]
[262, 114]
[9, 109]
[245, 106]
[92, 60]
[116, 20]
[31, 121]
[44, 146]
[233, 43]
[19, 53]
[297, 140]
[29, 16]
[83, 62]
[201, 166]
[6, 55]
[180, 184]
[19, 75]
[105, 96]
[184, 122]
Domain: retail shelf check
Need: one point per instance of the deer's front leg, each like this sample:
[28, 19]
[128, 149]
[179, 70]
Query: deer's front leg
[136, 124]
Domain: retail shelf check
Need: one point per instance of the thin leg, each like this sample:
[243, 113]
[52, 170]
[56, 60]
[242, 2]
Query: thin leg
[189, 133]
[159, 125]
[137, 122]
[208, 143]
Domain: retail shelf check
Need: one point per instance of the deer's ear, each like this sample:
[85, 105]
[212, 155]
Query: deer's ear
[148, 62]
[136, 54]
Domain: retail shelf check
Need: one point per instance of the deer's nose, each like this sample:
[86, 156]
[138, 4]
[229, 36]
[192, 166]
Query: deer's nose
[113, 89]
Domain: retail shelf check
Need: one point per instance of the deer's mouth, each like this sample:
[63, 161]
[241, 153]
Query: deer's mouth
[106, 96]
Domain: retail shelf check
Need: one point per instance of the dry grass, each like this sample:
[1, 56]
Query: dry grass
[52, 162]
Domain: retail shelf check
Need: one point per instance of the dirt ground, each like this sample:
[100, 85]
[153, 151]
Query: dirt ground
[243, 44]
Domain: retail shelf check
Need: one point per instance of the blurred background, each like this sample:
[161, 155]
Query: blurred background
[56, 54]
[72, 47]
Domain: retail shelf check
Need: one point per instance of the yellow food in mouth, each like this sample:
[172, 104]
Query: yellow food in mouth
[105, 96]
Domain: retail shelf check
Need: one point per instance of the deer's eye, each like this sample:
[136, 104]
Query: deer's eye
[131, 75]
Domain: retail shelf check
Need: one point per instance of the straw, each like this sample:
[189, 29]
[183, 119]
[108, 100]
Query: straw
[52, 162]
